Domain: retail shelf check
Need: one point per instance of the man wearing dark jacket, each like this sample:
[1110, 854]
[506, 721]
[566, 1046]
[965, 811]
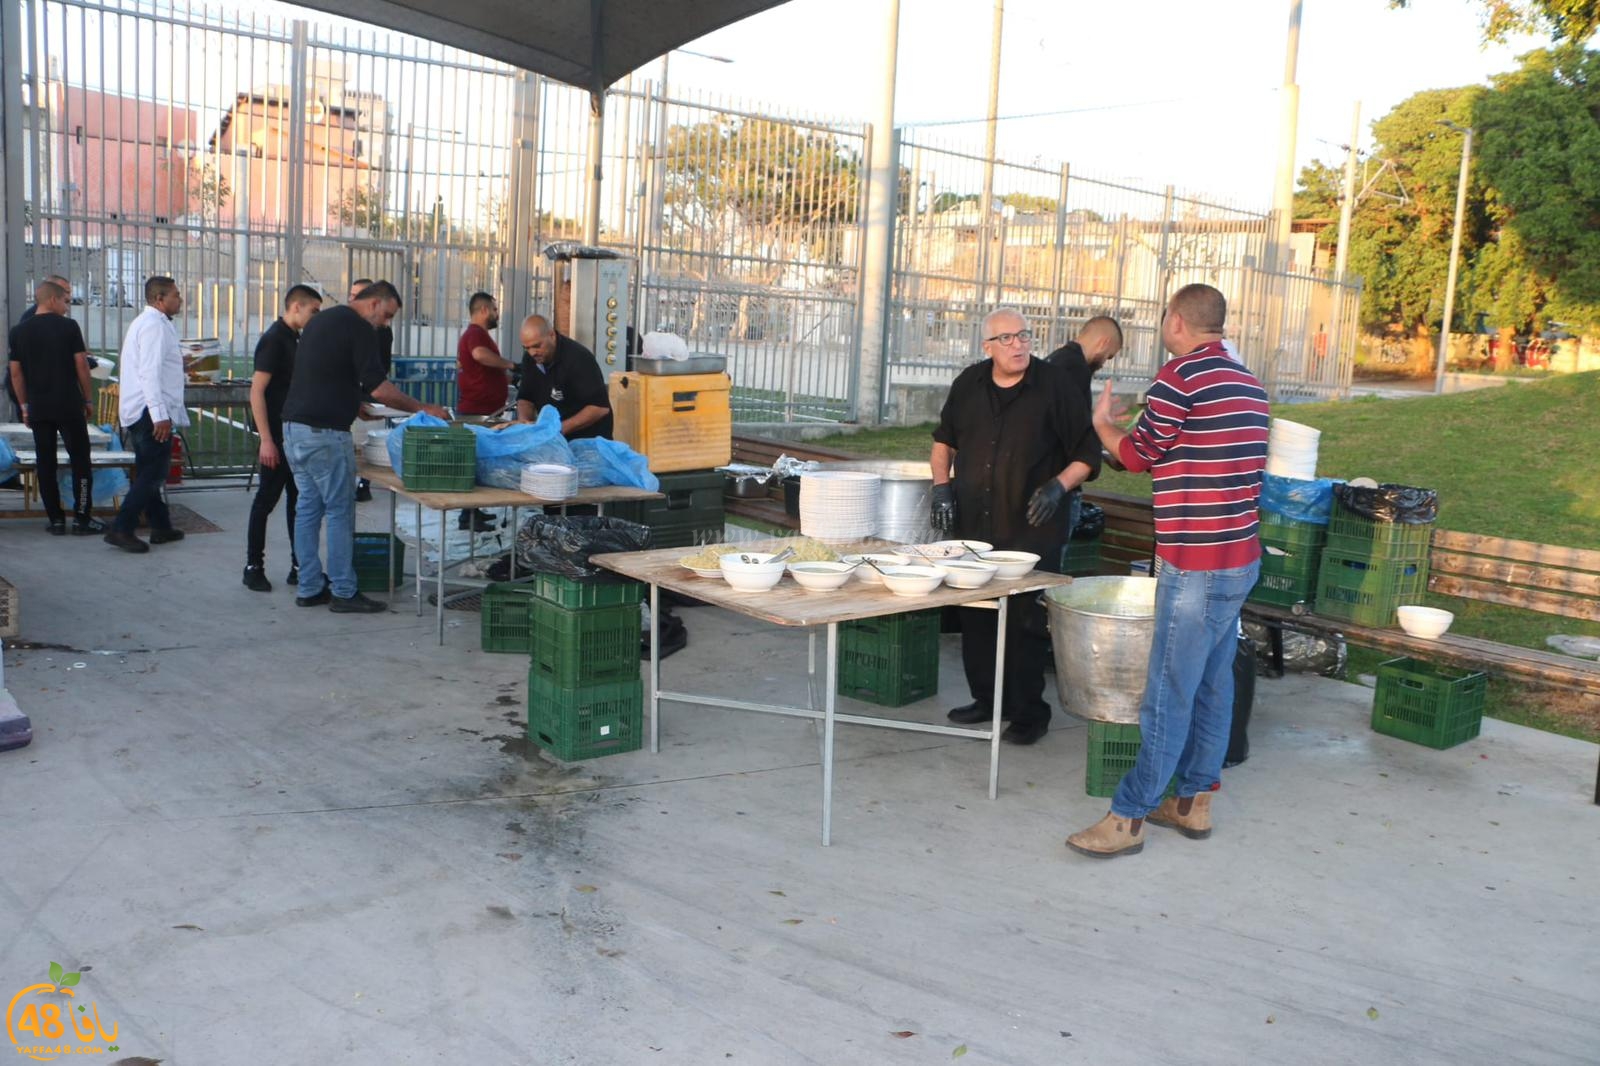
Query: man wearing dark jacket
[1096, 344]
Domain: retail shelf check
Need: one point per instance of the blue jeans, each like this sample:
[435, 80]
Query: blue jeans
[152, 461]
[1188, 692]
[324, 465]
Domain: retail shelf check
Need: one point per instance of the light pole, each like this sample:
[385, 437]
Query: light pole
[1455, 253]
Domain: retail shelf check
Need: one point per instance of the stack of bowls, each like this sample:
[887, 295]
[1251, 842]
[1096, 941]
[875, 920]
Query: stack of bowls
[549, 481]
[757, 575]
[1292, 450]
[376, 448]
[839, 505]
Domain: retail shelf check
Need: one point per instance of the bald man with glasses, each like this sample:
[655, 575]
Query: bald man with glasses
[1013, 441]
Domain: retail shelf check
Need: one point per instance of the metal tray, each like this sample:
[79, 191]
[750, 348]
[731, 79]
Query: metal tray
[695, 364]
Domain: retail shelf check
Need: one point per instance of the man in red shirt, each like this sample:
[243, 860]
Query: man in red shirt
[483, 381]
[1203, 438]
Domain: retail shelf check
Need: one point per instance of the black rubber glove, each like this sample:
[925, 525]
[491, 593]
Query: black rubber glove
[942, 515]
[1045, 502]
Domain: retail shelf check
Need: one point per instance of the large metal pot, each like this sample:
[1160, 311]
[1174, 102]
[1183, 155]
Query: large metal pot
[1101, 629]
[903, 507]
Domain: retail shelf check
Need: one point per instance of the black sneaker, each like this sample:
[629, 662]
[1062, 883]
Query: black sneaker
[357, 604]
[294, 575]
[88, 526]
[363, 492]
[58, 529]
[477, 521]
[319, 599]
[255, 579]
[165, 536]
[128, 542]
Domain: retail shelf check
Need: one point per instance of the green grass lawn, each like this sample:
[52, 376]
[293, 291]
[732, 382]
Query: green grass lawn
[1517, 461]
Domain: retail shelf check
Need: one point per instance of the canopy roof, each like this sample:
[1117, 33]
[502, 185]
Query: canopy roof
[587, 43]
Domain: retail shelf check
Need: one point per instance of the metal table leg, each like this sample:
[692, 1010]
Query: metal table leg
[391, 546]
[514, 510]
[831, 680]
[655, 668]
[999, 696]
[417, 584]
[444, 513]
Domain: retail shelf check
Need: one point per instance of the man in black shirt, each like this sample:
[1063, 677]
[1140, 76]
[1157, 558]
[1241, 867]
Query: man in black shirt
[336, 364]
[50, 378]
[386, 355]
[558, 370]
[1096, 344]
[269, 386]
[1020, 440]
[32, 310]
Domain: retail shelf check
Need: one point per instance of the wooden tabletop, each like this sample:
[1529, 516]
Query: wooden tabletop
[488, 496]
[787, 604]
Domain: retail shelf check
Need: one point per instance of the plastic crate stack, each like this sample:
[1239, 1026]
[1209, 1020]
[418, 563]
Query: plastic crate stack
[371, 557]
[890, 661]
[1291, 552]
[439, 459]
[1369, 568]
[585, 696]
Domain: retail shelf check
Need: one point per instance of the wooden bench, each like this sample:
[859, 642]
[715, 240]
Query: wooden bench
[1557, 581]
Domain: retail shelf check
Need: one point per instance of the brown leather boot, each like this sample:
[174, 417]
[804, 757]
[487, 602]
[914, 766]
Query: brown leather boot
[1190, 816]
[1111, 836]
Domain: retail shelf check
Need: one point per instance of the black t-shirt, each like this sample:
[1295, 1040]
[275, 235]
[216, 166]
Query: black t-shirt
[336, 363]
[1008, 442]
[1070, 357]
[47, 346]
[571, 381]
[275, 356]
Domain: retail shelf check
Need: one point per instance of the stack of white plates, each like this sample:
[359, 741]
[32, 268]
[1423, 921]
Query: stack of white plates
[376, 448]
[1292, 450]
[839, 505]
[549, 481]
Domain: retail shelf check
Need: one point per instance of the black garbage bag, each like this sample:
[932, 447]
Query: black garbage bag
[1091, 522]
[1390, 503]
[556, 544]
[1244, 701]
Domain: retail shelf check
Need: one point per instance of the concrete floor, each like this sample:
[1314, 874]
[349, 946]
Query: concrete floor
[270, 834]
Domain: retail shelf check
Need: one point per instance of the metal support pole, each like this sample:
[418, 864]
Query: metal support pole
[523, 195]
[294, 239]
[1283, 198]
[1058, 260]
[990, 128]
[877, 255]
[1455, 256]
[597, 140]
[1347, 204]
[13, 278]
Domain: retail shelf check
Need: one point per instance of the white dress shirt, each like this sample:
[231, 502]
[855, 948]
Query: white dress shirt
[151, 371]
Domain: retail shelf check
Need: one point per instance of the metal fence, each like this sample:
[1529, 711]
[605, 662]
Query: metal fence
[242, 149]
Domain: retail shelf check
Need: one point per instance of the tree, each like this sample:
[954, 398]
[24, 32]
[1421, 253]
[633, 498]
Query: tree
[1539, 149]
[1320, 192]
[1562, 20]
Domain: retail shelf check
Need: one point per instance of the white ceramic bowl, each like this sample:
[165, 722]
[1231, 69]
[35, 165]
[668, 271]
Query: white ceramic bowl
[819, 576]
[756, 576]
[712, 572]
[866, 573]
[1429, 623]
[949, 549]
[966, 573]
[1012, 564]
[913, 580]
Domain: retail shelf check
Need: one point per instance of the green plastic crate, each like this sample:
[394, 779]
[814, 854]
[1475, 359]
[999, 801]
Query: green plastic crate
[1287, 533]
[1287, 579]
[890, 661]
[1365, 590]
[371, 558]
[585, 722]
[603, 591]
[1080, 558]
[1113, 749]
[1353, 534]
[504, 623]
[1427, 705]
[439, 459]
[584, 646]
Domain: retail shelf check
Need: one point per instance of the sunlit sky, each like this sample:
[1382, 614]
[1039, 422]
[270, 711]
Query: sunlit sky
[1166, 90]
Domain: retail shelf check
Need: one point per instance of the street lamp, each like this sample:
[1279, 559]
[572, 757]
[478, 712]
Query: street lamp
[1455, 253]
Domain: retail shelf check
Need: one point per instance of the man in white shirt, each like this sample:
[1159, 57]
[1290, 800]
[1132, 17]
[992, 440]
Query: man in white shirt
[151, 408]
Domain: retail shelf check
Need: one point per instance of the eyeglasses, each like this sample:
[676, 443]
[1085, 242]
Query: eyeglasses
[1007, 339]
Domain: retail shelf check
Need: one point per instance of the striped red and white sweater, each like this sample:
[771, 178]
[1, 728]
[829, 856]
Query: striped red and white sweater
[1203, 437]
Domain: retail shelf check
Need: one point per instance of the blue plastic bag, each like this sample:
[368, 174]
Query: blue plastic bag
[611, 462]
[8, 461]
[1299, 501]
[396, 450]
[104, 484]
[503, 453]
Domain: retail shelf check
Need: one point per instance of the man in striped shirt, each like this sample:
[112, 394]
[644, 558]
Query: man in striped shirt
[1203, 438]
